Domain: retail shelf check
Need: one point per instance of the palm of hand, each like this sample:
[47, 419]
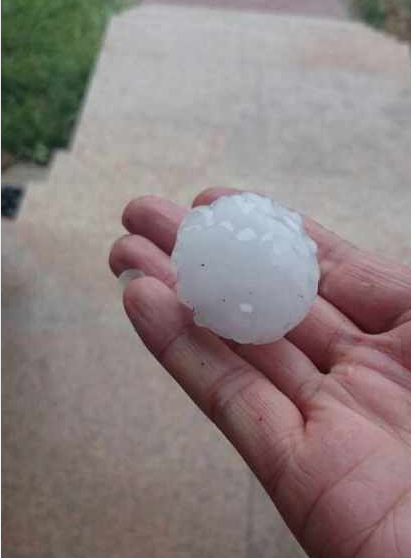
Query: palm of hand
[322, 417]
[348, 488]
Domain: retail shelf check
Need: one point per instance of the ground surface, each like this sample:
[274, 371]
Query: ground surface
[321, 8]
[102, 454]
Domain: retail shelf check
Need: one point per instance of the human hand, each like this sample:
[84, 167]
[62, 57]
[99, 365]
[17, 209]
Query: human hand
[323, 416]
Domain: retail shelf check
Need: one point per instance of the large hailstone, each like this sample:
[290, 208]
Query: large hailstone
[246, 268]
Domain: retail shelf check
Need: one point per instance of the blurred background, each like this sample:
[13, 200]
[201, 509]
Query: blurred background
[49, 50]
[105, 100]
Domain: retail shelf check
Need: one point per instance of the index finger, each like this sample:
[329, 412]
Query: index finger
[259, 419]
[375, 293]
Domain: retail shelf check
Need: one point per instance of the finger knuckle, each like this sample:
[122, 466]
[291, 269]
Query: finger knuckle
[227, 391]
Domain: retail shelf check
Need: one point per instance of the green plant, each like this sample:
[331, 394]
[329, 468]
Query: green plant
[372, 11]
[394, 16]
[48, 50]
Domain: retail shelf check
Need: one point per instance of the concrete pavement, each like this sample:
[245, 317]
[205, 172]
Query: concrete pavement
[103, 453]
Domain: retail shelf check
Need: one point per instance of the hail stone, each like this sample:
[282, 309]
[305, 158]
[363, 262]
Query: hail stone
[246, 267]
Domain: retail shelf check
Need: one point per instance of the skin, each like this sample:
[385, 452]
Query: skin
[323, 416]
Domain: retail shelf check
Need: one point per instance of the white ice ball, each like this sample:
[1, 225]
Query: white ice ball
[246, 267]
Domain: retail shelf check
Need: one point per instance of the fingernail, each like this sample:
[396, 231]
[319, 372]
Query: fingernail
[128, 275]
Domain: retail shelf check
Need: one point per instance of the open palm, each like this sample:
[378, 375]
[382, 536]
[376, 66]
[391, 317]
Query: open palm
[323, 416]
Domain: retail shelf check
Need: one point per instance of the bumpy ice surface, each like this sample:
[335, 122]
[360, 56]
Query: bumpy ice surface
[246, 267]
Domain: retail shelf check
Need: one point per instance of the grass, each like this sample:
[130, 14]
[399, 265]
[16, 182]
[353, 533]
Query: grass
[48, 50]
[393, 16]
[372, 11]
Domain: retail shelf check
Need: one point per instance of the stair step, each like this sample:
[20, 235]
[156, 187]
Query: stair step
[374, 217]
[184, 98]
[318, 8]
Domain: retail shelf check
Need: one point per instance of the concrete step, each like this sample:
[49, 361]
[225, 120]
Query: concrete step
[25, 174]
[375, 216]
[187, 63]
[194, 95]
[237, 99]
[107, 454]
